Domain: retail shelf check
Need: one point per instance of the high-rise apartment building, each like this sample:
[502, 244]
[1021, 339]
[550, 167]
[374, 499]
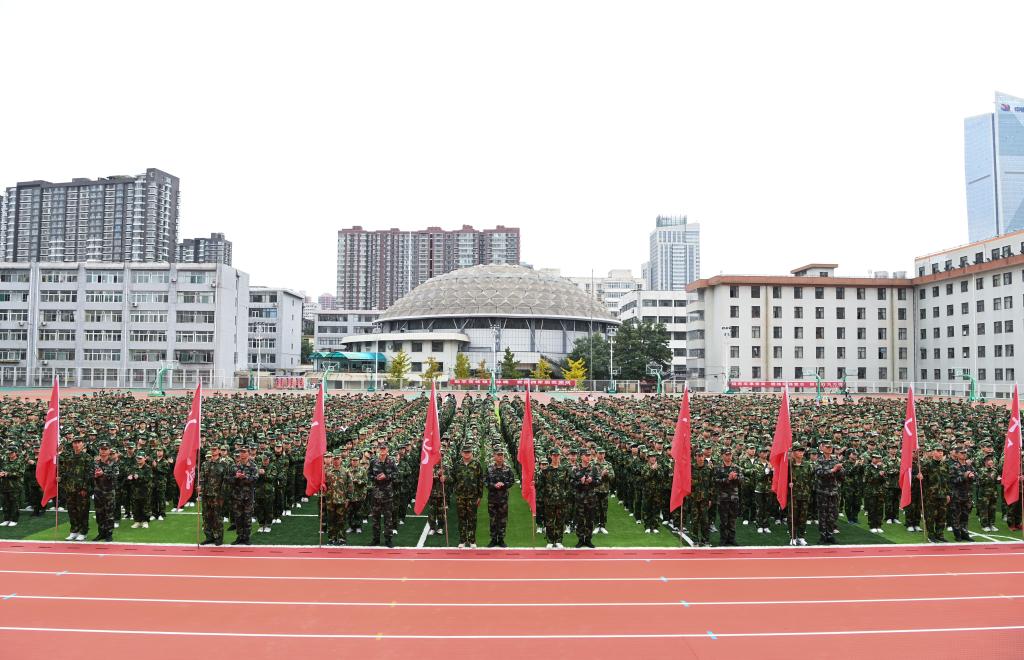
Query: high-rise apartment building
[994, 169]
[674, 254]
[115, 219]
[376, 268]
[213, 250]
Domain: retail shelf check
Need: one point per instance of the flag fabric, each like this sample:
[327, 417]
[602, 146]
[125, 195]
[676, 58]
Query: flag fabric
[527, 459]
[1011, 454]
[46, 462]
[430, 453]
[682, 455]
[316, 447]
[782, 443]
[910, 444]
[188, 452]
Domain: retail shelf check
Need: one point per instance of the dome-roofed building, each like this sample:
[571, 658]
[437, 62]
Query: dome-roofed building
[482, 308]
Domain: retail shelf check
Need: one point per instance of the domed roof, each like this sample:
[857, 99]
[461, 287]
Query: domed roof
[496, 290]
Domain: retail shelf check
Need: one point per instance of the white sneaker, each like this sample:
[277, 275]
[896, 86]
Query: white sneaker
[5, 523]
[655, 531]
[540, 530]
[305, 499]
[462, 545]
[949, 529]
[550, 546]
[560, 546]
[116, 525]
[647, 531]
[145, 525]
[13, 523]
[746, 522]
[70, 537]
[137, 525]
[80, 537]
[190, 504]
[159, 517]
[60, 508]
[430, 532]
[793, 542]
[993, 528]
[298, 506]
[225, 520]
[568, 530]
[604, 531]
[760, 530]
[394, 532]
[287, 512]
[152, 518]
[802, 541]
[472, 545]
[401, 522]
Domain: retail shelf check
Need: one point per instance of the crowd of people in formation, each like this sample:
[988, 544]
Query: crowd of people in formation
[117, 456]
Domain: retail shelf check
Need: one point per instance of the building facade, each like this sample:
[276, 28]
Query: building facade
[674, 254]
[213, 250]
[607, 289]
[376, 268]
[275, 329]
[667, 308]
[811, 322]
[113, 219]
[332, 327]
[115, 325]
[994, 169]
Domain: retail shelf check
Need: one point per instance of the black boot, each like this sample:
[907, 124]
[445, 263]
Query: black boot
[493, 543]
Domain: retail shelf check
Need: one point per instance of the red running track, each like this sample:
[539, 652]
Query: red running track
[113, 601]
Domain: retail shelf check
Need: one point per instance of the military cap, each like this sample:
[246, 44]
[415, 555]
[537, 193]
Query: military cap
[875, 454]
[224, 447]
[726, 449]
[140, 454]
[104, 444]
[798, 447]
[553, 451]
[824, 441]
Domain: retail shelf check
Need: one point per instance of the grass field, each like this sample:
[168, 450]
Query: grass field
[301, 529]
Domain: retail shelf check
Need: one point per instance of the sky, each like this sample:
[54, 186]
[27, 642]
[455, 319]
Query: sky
[791, 131]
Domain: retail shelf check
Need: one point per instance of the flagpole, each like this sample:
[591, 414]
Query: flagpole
[444, 504]
[323, 484]
[56, 469]
[198, 457]
[920, 484]
[792, 522]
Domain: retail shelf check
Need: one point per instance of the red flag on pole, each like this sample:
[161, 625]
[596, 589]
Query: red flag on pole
[1011, 454]
[527, 459]
[682, 455]
[430, 454]
[46, 462]
[185, 463]
[782, 443]
[907, 453]
[316, 447]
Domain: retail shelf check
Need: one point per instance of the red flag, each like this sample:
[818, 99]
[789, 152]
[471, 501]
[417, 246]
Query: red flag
[907, 453]
[682, 454]
[185, 463]
[782, 443]
[1011, 454]
[316, 447]
[46, 462]
[430, 454]
[527, 459]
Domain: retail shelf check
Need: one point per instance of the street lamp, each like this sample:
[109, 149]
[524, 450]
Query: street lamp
[726, 334]
[260, 329]
[376, 353]
[611, 360]
[496, 333]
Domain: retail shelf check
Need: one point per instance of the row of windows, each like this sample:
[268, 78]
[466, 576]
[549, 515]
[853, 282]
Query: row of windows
[804, 372]
[999, 350]
[1001, 373]
[998, 304]
[861, 293]
[819, 352]
[998, 327]
[999, 279]
[819, 313]
[798, 333]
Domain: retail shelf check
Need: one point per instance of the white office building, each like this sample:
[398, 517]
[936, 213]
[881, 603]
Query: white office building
[667, 308]
[332, 326]
[275, 330]
[102, 324]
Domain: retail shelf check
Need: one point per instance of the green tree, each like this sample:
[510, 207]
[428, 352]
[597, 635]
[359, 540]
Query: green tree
[482, 371]
[398, 369]
[575, 370]
[542, 370]
[509, 365]
[307, 350]
[462, 368]
[599, 364]
[640, 344]
[433, 369]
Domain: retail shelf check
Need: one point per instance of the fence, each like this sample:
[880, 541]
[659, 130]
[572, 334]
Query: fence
[181, 377]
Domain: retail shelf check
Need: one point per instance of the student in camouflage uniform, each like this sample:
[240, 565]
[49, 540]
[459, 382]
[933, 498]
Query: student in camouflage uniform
[585, 480]
[728, 482]
[552, 485]
[935, 481]
[650, 486]
[357, 472]
[243, 483]
[266, 484]
[500, 478]
[801, 485]
[891, 467]
[382, 473]
[163, 471]
[212, 480]
[829, 475]
[337, 493]
[75, 478]
[748, 501]
[853, 468]
[607, 472]
[702, 491]
[875, 491]
[961, 479]
[761, 473]
[105, 477]
[435, 508]
[140, 479]
[468, 483]
[280, 464]
[988, 492]
[12, 469]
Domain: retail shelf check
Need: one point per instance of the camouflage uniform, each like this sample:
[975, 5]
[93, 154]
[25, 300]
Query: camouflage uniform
[728, 500]
[105, 496]
[935, 474]
[607, 472]
[961, 478]
[139, 479]
[552, 485]
[243, 482]
[801, 475]
[337, 493]
[76, 472]
[699, 501]
[650, 486]
[585, 480]
[761, 472]
[381, 497]
[266, 485]
[11, 485]
[497, 501]
[827, 492]
[988, 493]
[875, 491]
[468, 482]
[212, 482]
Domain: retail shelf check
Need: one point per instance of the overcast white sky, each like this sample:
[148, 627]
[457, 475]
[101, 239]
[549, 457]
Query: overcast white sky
[792, 132]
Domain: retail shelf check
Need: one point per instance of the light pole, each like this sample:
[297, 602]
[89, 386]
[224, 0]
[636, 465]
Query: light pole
[260, 329]
[376, 353]
[496, 332]
[726, 334]
[611, 361]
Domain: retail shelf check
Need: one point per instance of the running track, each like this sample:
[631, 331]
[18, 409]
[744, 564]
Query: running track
[150, 601]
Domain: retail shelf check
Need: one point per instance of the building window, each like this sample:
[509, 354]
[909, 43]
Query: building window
[997, 327]
[840, 333]
[862, 313]
[798, 312]
[949, 289]
[963, 286]
[882, 294]
[777, 352]
[776, 332]
[982, 374]
[883, 334]
[883, 373]
[1007, 326]
[755, 372]
[776, 292]
[417, 347]
[776, 312]
[997, 304]
[881, 313]
[883, 353]
[862, 353]
[755, 352]
[924, 353]
[862, 333]
[755, 292]
[901, 334]
[734, 352]
[819, 293]
[840, 293]
[755, 311]
[1008, 302]
[902, 353]
[437, 347]
[819, 352]
[840, 313]
[734, 292]
[734, 311]
[798, 292]
[755, 332]
[819, 332]
[798, 333]
[840, 352]
[798, 352]
[979, 283]
[777, 373]
[980, 306]
[949, 331]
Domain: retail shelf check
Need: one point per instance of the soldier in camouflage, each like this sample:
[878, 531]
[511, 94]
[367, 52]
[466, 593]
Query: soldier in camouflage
[961, 479]
[607, 472]
[211, 488]
[585, 480]
[105, 477]
[829, 474]
[12, 470]
[702, 491]
[337, 494]
[75, 477]
[381, 474]
[988, 493]
[552, 485]
[468, 484]
[875, 491]
[499, 479]
[243, 483]
[140, 479]
[728, 482]
[801, 485]
[934, 477]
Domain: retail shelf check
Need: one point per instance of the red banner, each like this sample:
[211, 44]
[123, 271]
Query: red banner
[791, 384]
[506, 382]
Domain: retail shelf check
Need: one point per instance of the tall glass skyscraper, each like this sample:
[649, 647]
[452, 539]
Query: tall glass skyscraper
[994, 169]
[674, 254]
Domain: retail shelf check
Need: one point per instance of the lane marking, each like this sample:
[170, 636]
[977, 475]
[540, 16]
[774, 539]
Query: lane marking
[548, 555]
[393, 604]
[687, 539]
[711, 635]
[423, 536]
[808, 633]
[384, 578]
